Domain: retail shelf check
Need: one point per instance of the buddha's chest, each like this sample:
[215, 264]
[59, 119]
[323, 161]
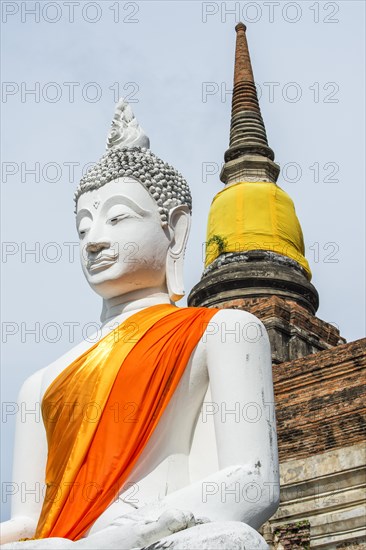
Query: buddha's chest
[163, 466]
[68, 399]
[161, 462]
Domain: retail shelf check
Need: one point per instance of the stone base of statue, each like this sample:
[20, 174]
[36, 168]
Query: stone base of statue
[226, 535]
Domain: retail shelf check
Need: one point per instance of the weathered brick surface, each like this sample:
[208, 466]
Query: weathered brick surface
[290, 312]
[320, 401]
[293, 331]
[292, 536]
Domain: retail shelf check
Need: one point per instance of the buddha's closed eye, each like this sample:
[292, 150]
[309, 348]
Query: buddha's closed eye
[116, 219]
[120, 212]
[84, 226]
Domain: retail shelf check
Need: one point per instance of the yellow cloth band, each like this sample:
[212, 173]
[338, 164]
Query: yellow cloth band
[254, 216]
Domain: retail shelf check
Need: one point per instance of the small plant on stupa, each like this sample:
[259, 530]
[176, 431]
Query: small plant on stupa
[219, 242]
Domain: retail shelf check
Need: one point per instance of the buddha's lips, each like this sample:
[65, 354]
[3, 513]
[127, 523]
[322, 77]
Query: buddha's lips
[101, 262]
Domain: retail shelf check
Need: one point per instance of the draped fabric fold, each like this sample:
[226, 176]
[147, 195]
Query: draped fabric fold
[100, 412]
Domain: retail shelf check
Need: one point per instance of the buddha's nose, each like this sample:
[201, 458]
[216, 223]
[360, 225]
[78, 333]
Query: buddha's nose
[95, 247]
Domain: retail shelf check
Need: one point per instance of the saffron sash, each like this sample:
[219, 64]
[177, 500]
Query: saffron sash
[100, 412]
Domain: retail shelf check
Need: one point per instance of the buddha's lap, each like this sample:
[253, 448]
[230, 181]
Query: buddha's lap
[226, 535]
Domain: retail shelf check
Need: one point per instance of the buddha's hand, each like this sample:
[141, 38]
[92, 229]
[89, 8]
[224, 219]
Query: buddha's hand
[176, 520]
[161, 516]
[146, 525]
[169, 522]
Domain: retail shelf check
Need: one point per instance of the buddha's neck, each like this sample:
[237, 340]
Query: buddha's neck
[132, 302]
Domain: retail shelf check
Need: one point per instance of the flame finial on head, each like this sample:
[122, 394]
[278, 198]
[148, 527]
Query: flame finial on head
[128, 155]
[125, 130]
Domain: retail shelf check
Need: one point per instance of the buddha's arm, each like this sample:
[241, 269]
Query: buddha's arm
[240, 371]
[247, 486]
[30, 452]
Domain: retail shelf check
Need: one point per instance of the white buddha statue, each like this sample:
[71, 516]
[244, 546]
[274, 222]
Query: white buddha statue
[133, 219]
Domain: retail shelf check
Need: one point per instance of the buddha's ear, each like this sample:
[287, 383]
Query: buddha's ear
[179, 222]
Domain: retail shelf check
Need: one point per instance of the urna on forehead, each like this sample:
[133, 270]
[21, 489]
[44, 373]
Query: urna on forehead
[127, 156]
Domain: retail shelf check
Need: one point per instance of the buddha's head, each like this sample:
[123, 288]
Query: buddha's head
[133, 216]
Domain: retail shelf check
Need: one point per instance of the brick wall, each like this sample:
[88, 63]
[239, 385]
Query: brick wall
[320, 401]
[292, 536]
[289, 311]
[293, 330]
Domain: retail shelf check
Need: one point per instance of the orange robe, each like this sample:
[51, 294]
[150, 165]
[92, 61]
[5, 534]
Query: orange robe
[100, 412]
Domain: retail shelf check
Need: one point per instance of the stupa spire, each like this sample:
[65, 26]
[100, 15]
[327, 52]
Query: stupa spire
[255, 252]
[243, 71]
[248, 139]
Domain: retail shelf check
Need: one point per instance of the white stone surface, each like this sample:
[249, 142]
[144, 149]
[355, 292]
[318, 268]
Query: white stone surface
[125, 130]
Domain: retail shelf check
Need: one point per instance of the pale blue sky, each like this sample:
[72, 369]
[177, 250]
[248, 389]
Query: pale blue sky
[310, 49]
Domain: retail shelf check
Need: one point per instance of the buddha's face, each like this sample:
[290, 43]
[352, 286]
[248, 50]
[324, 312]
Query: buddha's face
[123, 246]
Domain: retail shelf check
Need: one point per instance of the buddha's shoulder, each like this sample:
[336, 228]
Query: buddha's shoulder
[32, 386]
[35, 383]
[242, 325]
[234, 315]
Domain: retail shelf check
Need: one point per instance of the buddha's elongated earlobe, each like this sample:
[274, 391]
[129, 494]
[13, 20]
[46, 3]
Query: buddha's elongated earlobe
[180, 223]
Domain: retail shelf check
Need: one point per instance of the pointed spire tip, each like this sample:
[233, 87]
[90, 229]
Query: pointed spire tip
[240, 26]
[247, 131]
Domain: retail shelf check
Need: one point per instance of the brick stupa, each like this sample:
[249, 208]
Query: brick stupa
[318, 378]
